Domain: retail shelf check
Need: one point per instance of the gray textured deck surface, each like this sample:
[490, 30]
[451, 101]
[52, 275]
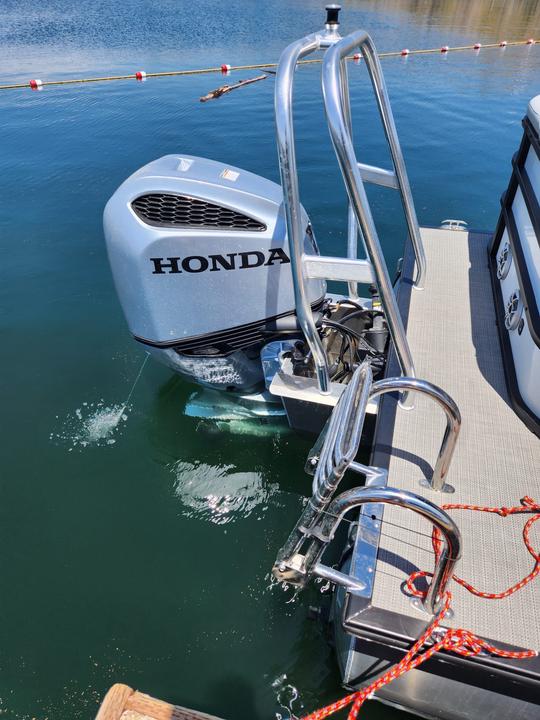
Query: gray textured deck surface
[454, 341]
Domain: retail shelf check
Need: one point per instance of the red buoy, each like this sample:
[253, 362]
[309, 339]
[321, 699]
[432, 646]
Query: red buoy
[356, 56]
[225, 68]
[445, 49]
[531, 41]
[405, 51]
[36, 84]
[477, 46]
[503, 43]
[140, 75]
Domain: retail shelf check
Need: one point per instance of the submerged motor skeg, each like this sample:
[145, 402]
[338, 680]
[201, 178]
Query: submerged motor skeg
[201, 264]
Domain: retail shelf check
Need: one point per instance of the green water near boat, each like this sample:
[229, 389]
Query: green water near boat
[136, 540]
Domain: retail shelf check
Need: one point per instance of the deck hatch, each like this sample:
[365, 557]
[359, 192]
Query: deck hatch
[170, 210]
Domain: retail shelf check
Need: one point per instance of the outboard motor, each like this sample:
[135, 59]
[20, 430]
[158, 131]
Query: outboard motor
[201, 264]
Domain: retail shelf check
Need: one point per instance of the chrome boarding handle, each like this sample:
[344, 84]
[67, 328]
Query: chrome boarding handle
[352, 225]
[360, 39]
[283, 98]
[453, 422]
[342, 141]
[299, 568]
[291, 195]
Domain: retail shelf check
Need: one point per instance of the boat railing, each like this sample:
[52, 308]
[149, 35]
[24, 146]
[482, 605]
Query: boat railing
[360, 220]
[336, 450]
[337, 108]
[299, 567]
[289, 182]
[437, 481]
[337, 446]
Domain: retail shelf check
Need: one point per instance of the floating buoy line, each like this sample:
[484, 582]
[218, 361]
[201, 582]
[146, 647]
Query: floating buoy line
[141, 75]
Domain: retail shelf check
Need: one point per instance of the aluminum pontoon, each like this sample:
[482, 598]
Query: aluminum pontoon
[437, 375]
[464, 327]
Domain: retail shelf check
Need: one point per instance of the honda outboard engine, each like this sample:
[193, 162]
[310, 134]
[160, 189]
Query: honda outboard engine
[201, 264]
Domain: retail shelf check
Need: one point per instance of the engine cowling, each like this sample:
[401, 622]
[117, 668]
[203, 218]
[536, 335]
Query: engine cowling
[201, 263]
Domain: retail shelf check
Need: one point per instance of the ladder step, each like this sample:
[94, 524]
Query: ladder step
[378, 176]
[336, 268]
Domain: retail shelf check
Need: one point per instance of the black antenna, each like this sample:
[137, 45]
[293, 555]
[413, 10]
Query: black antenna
[332, 14]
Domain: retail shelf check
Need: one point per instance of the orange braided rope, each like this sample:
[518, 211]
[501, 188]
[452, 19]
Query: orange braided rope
[461, 642]
[527, 505]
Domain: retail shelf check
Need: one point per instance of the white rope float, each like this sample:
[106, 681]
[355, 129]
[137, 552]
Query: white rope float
[141, 75]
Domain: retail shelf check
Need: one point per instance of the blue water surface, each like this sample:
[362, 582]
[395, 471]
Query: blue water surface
[136, 542]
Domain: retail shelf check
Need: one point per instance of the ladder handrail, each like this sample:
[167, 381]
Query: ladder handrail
[453, 422]
[336, 59]
[297, 564]
[289, 182]
[339, 443]
[360, 221]
[343, 435]
[341, 138]
[444, 562]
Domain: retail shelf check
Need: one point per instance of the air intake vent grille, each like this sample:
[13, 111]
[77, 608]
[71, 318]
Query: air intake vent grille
[163, 210]
[223, 343]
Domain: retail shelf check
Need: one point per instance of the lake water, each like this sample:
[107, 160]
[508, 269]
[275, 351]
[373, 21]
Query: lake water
[136, 541]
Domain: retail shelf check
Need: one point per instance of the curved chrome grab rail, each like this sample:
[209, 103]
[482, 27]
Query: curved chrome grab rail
[360, 221]
[298, 569]
[451, 552]
[332, 73]
[453, 421]
[289, 182]
[339, 126]
[343, 439]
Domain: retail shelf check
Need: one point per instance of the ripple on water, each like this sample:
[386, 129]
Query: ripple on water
[286, 696]
[219, 495]
[93, 423]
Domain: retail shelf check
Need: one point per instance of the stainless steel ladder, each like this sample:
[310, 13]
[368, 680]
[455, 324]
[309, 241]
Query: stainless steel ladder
[300, 557]
[338, 112]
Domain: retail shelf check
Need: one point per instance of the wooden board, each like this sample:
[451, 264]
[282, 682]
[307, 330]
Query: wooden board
[124, 703]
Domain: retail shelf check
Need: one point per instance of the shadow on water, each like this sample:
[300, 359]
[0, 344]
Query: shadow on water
[267, 445]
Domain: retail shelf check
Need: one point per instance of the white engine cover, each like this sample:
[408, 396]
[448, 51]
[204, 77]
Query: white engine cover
[197, 247]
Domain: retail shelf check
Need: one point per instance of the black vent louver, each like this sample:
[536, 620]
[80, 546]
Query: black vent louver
[224, 342]
[164, 210]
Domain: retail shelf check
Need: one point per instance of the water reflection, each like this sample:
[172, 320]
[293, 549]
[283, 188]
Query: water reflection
[498, 17]
[219, 494]
[59, 37]
[270, 452]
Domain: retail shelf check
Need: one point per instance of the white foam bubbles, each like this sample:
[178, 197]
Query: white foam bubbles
[91, 424]
[286, 695]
